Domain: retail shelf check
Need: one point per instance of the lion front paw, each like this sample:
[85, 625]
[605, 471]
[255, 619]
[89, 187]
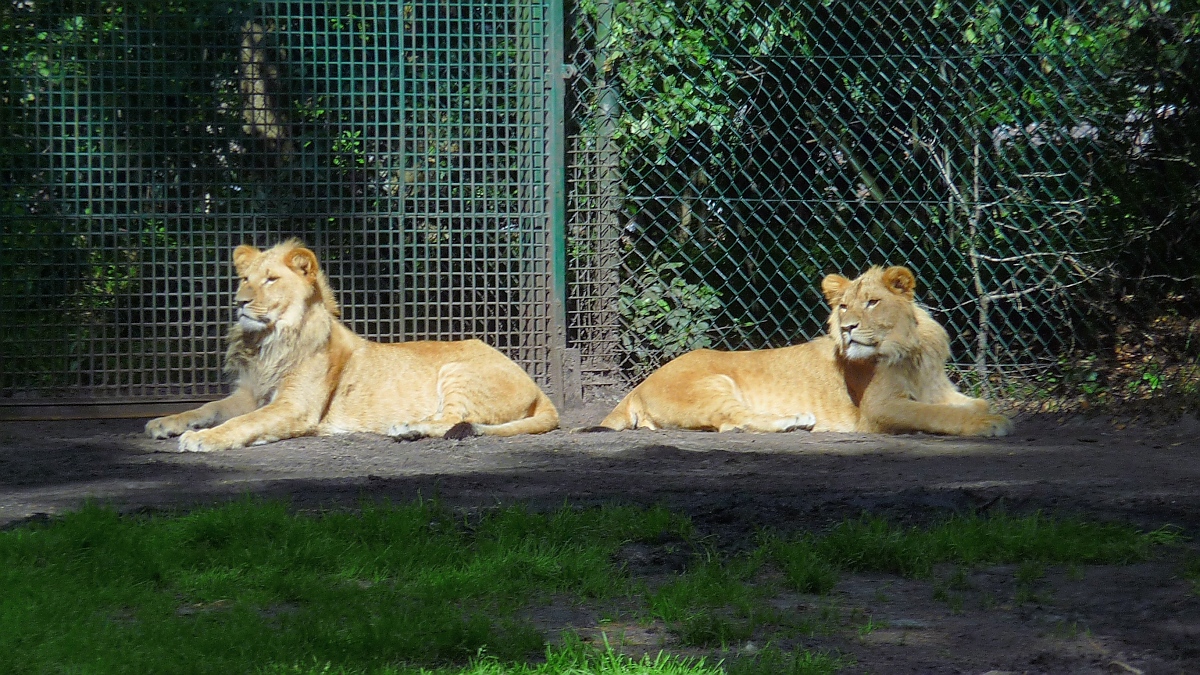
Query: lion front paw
[404, 432]
[166, 427]
[991, 425]
[203, 441]
[802, 422]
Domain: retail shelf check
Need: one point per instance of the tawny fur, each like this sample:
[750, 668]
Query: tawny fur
[881, 368]
[298, 371]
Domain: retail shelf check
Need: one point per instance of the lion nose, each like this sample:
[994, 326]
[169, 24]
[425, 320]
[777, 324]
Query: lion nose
[847, 327]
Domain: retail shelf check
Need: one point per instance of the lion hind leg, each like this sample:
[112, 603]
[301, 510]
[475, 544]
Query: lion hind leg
[728, 412]
[453, 408]
[454, 423]
[436, 425]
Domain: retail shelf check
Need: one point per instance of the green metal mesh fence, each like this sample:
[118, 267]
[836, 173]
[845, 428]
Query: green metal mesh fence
[1033, 162]
[726, 155]
[411, 144]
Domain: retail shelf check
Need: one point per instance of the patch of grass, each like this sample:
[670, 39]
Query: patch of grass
[810, 562]
[221, 589]
[1064, 630]
[252, 587]
[1028, 574]
[709, 626]
[950, 590]
[573, 659]
[988, 601]
[1191, 571]
[774, 661]
[868, 627]
[712, 603]
[805, 569]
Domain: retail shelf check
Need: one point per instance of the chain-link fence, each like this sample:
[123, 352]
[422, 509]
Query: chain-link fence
[1035, 163]
[1032, 162]
[409, 143]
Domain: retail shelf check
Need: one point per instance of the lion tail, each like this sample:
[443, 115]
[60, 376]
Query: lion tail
[543, 417]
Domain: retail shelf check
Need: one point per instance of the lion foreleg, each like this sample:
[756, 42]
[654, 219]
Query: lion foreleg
[240, 402]
[900, 415]
[955, 398]
[272, 422]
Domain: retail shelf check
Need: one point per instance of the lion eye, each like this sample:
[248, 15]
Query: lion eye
[842, 308]
[871, 303]
[271, 280]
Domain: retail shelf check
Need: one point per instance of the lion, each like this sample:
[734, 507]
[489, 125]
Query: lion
[299, 371]
[880, 369]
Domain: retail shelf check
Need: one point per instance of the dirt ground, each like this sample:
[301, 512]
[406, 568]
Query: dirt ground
[1129, 619]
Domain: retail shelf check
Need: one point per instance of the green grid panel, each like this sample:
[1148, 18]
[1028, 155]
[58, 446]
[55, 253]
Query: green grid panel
[725, 157]
[408, 143]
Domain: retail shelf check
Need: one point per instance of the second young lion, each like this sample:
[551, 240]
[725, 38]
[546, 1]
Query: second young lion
[881, 368]
[298, 371]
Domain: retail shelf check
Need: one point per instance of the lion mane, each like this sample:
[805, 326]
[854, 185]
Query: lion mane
[298, 371]
[880, 368]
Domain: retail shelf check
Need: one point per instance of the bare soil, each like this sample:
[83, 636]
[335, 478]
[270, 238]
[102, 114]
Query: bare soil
[1095, 619]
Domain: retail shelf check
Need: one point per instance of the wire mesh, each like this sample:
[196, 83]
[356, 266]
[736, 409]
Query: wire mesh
[726, 156]
[1033, 162]
[407, 143]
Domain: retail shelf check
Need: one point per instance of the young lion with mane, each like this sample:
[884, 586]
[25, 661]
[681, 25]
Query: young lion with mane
[298, 371]
[881, 368]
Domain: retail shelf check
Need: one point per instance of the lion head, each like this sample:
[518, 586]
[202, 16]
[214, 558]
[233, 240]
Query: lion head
[277, 286]
[874, 316]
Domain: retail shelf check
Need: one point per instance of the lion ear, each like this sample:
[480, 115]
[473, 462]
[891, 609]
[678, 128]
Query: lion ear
[834, 285]
[242, 255]
[303, 262]
[900, 280]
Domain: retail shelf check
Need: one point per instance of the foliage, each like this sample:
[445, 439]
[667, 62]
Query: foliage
[665, 316]
[1034, 163]
[141, 141]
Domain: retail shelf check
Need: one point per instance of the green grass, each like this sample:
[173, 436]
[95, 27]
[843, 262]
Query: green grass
[1191, 571]
[575, 659]
[811, 563]
[253, 587]
[572, 659]
[249, 583]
